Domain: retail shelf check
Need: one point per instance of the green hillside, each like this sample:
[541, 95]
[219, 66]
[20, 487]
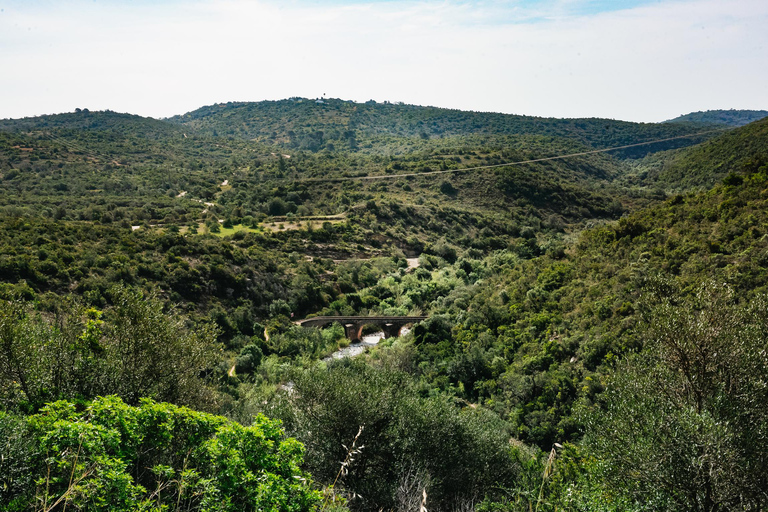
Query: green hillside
[130, 174]
[100, 121]
[738, 151]
[333, 124]
[731, 117]
[592, 343]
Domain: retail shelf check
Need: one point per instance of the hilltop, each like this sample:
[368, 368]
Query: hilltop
[730, 117]
[312, 125]
[739, 151]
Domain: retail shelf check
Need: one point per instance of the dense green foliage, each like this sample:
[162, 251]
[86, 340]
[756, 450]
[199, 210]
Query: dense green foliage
[167, 260]
[727, 117]
[233, 280]
[376, 127]
[463, 453]
[538, 338]
[110, 456]
[681, 419]
[705, 165]
[136, 351]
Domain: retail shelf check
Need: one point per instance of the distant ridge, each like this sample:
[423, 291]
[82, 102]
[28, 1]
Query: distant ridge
[741, 150]
[730, 117]
[314, 125]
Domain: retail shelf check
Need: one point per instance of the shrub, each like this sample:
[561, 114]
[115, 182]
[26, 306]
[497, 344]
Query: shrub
[114, 457]
[680, 421]
[463, 453]
[249, 359]
[134, 350]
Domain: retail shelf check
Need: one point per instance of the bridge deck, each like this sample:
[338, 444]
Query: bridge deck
[359, 319]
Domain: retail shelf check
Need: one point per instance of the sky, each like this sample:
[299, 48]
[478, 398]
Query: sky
[636, 60]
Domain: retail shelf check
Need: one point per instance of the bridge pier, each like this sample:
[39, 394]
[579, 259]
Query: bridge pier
[391, 330]
[353, 332]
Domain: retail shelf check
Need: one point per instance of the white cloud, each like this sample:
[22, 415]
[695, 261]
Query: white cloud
[647, 63]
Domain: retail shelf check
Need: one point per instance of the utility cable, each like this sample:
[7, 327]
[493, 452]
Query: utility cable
[71, 146]
[520, 162]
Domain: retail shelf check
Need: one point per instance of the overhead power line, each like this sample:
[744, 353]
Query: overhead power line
[519, 162]
[71, 146]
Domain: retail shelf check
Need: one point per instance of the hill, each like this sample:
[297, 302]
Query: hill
[730, 117]
[539, 324]
[737, 151]
[169, 259]
[332, 124]
[116, 168]
[101, 121]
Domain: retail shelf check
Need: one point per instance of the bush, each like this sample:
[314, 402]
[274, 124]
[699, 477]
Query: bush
[680, 421]
[113, 457]
[432, 330]
[16, 453]
[137, 350]
[461, 453]
[249, 359]
[447, 188]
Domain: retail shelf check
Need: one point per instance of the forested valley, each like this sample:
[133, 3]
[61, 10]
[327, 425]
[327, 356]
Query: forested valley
[596, 329]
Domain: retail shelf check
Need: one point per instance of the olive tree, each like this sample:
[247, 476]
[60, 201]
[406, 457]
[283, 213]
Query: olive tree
[683, 424]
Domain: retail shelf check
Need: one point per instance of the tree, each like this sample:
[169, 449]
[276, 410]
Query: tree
[153, 354]
[447, 188]
[23, 355]
[134, 349]
[682, 425]
[277, 206]
[249, 359]
[462, 454]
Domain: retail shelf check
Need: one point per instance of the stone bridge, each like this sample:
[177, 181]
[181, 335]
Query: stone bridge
[353, 325]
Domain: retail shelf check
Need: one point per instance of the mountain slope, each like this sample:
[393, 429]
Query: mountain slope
[334, 124]
[103, 121]
[730, 117]
[533, 291]
[116, 167]
[537, 339]
[737, 151]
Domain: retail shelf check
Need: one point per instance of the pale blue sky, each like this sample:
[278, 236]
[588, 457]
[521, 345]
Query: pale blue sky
[640, 60]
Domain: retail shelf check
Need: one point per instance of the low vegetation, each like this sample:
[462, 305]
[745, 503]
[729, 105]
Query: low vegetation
[595, 335]
[106, 455]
